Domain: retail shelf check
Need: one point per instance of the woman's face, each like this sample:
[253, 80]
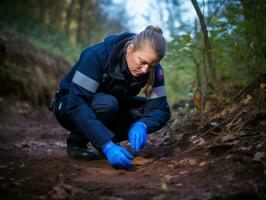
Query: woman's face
[140, 61]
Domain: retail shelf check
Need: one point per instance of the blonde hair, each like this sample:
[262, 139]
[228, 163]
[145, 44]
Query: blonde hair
[152, 36]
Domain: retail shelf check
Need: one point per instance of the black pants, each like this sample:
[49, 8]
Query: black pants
[116, 116]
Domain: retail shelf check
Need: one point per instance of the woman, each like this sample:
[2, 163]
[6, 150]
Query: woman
[98, 103]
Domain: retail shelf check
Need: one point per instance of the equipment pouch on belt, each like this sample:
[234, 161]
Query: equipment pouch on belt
[52, 104]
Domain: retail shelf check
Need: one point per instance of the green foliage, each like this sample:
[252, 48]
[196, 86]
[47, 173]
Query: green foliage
[180, 68]
[238, 51]
[42, 36]
[61, 27]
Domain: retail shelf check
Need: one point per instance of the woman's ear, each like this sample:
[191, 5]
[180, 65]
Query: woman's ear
[130, 48]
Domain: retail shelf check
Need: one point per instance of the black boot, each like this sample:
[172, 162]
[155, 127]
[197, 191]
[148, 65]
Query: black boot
[77, 147]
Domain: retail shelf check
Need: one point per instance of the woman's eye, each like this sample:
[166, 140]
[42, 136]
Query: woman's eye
[143, 63]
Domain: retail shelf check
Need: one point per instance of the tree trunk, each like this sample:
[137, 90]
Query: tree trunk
[80, 21]
[208, 49]
[69, 16]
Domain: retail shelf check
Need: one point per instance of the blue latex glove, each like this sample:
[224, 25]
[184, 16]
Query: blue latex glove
[138, 136]
[117, 156]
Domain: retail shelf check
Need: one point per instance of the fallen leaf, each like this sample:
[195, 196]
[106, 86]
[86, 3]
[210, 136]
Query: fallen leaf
[186, 161]
[228, 137]
[179, 184]
[229, 156]
[139, 161]
[121, 172]
[258, 156]
[177, 150]
[164, 186]
[199, 141]
[146, 173]
[202, 164]
[207, 153]
[192, 137]
[247, 100]
[168, 177]
[183, 172]
[192, 162]
[22, 165]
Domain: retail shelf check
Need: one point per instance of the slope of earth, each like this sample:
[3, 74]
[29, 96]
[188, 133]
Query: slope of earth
[181, 161]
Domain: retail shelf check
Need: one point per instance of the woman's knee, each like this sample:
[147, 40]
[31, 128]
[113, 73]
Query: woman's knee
[105, 105]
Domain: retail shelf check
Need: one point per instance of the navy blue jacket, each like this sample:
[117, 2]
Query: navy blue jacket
[101, 68]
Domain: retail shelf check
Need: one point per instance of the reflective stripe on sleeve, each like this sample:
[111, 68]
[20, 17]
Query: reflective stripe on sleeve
[85, 82]
[157, 92]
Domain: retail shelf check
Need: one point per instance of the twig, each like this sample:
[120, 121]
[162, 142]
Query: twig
[235, 116]
[213, 128]
[188, 150]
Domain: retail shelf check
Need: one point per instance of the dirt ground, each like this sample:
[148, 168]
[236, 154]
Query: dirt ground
[34, 164]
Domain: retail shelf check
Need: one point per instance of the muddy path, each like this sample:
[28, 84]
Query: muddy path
[34, 165]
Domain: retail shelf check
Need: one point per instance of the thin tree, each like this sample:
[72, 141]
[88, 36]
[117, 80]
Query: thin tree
[207, 48]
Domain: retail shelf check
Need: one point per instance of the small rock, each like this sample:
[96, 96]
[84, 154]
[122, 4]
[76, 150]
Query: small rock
[22, 165]
[207, 153]
[168, 177]
[121, 172]
[202, 164]
[192, 162]
[179, 184]
[199, 141]
[147, 174]
[214, 124]
[183, 172]
[228, 137]
[246, 148]
[229, 156]
[192, 137]
[171, 166]
[258, 156]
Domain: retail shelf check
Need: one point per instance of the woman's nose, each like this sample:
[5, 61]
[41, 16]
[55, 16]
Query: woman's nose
[145, 69]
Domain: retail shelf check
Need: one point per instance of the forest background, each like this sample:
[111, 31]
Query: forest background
[214, 63]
